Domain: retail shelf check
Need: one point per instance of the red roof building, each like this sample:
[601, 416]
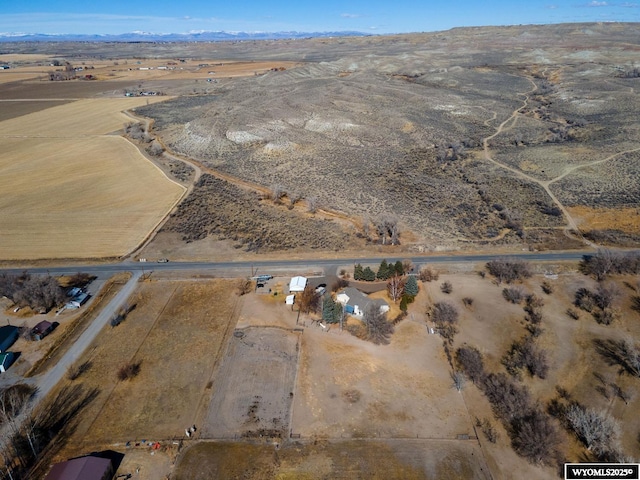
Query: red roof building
[83, 468]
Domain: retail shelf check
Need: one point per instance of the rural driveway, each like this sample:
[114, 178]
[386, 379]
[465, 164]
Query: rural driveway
[49, 379]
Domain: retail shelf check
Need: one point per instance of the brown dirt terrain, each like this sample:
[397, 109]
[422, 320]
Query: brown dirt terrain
[373, 135]
[176, 331]
[391, 411]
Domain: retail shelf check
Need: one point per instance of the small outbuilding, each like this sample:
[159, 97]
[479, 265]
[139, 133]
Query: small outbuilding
[41, 330]
[6, 360]
[8, 336]
[290, 299]
[297, 284]
[83, 468]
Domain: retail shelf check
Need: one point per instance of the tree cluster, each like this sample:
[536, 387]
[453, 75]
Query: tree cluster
[606, 262]
[598, 303]
[525, 354]
[332, 311]
[508, 270]
[384, 272]
[41, 293]
[532, 432]
[29, 433]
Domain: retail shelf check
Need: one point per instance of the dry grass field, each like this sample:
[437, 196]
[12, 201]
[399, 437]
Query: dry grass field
[68, 190]
[176, 331]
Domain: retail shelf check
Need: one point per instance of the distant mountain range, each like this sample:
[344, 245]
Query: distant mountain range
[171, 37]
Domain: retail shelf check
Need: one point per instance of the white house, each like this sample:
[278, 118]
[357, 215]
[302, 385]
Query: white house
[297, 284]
[355, 302]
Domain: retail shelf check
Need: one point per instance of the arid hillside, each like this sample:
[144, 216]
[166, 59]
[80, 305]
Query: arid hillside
[471, 136]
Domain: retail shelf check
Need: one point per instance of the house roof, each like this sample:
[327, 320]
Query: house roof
[41, 327]
[6, 359]
[297, 284]
[8, 334]
[83, 468]
[356, 297]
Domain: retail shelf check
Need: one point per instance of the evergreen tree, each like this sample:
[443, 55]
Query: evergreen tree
[358, 272]
[368, 274]
[383, 271]
[398, 269]
[329, 310]
[403, 303]
[411, 287]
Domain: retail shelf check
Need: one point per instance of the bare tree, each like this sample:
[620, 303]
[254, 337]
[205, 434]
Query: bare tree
[375, 321]
[470, 360]
[535, 437]
[443, 313]
[387, 226]
[308, 300]
[428, 274]
[244, 286]
[395, 287]
[508, 270]
[600, 264]
[596, 429]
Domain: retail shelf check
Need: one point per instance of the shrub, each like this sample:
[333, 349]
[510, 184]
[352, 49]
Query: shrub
[443, 313]
[547, 287]
[513, 294]
[428, 274]
[446, 287]
[129, 371]
[467, 302]
[573, 313]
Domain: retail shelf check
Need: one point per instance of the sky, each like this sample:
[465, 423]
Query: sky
[371, 16]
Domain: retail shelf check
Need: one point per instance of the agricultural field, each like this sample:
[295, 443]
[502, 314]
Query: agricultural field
[70, 190]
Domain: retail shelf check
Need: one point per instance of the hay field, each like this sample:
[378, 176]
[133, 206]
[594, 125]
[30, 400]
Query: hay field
[68, 190]
[62, 197]
[94, 116]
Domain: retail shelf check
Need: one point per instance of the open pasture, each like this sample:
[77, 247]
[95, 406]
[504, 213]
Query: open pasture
[175, 332]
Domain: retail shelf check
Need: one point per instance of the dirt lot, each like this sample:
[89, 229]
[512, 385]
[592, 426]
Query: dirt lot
[253, 390]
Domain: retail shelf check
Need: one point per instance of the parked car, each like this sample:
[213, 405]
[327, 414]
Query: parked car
[163, 260]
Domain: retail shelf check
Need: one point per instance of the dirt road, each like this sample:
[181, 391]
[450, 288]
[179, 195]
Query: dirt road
[47, 381]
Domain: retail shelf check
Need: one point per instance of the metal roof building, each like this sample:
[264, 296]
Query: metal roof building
[8, 336]
[83, 468]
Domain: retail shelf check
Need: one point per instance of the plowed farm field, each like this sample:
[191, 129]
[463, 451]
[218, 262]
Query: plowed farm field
[68, 190]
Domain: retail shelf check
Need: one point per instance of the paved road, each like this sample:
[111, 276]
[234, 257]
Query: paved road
[49, 379]
[293, 264]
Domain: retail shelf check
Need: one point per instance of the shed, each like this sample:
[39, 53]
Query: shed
[41, 330]
[8, 336]
[297, 284]
[290, 299]
[6, 360]
[83, 468]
